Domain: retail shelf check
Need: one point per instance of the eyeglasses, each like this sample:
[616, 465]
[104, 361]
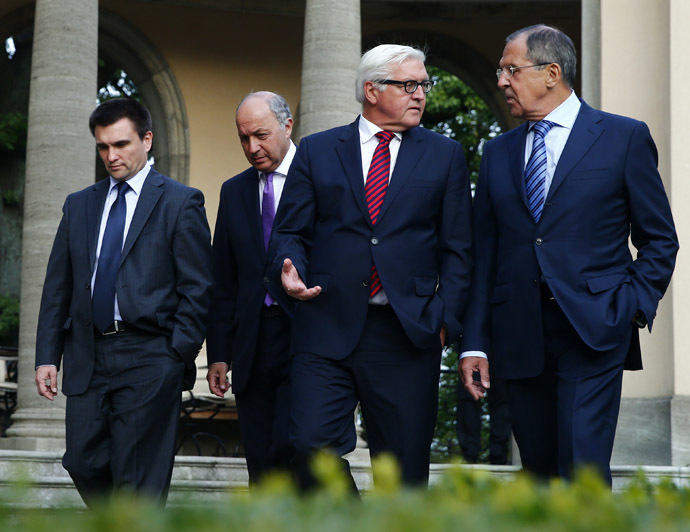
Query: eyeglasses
[510, 69]
[410, 85]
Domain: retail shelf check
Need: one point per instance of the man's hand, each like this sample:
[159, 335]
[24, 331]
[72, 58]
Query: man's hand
[293, 284]
[46, 381]
[217, 377]
[467, 367]
[443, 335]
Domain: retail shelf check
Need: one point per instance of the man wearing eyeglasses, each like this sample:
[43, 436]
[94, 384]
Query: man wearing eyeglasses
[372, 237]
[557, 299]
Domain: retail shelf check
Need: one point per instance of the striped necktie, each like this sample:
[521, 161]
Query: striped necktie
[375, 191]
[535, 171]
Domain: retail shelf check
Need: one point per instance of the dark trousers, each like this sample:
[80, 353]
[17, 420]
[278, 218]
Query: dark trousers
[469, 423]
[566, 417]
[121, 432]
[263, 408]
[396, 385]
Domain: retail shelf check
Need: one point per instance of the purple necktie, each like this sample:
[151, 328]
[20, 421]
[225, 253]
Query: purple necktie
[268, 214]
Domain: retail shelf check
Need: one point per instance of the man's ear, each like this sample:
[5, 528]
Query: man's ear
[148, 140]
[554, 75]
[371, 92]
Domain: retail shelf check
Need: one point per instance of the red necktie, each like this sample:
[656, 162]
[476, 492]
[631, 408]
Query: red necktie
[375, 191]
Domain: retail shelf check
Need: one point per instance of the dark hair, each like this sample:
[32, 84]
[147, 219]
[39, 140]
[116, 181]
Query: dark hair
[111, 111]
[546, 44]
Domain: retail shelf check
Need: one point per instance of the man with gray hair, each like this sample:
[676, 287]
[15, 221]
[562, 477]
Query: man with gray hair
[249, 323]
[372, 237]
[557, 299]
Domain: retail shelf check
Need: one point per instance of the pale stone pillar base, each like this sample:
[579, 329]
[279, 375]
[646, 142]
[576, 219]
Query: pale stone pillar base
[642, 436]
[36, 429]
[680, 430]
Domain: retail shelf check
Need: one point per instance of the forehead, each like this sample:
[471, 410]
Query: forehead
[254, 114]
[409, 69]
[515, 51]
[123, 128]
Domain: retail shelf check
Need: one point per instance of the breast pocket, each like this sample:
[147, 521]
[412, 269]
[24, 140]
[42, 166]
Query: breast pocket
[599, 173]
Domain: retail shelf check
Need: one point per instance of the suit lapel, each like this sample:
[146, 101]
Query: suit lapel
[586, 130]
[94, 212]
[350, 155]
[516, 162]
[410, 151]
[150, 194]
[250, 199]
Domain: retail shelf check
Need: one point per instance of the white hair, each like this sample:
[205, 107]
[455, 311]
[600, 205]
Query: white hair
[380, 61]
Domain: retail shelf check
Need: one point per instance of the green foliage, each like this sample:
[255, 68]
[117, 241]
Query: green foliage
[9, 321]
[445, 446]
[13, 127]
[462, 500]
[456, 111]
[115, 83]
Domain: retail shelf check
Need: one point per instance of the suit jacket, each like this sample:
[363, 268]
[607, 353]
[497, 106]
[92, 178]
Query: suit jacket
[164, 279]
[239, 260]
[421, 243]
[605, 188]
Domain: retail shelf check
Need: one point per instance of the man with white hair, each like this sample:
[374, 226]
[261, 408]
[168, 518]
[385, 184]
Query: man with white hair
[373, 239]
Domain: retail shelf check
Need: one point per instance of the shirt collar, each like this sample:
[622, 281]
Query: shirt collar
[565, 114]
[136, 182]
[284, 165]
[368, 129]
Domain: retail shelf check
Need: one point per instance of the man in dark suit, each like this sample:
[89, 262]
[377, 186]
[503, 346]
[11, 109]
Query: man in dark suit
[557, 299]
[249, 324]
[124, 303]
[375, 219]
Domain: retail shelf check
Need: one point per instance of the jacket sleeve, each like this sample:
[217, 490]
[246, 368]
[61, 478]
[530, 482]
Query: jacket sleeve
[223, 314]
[191, 250]
[652, 230]
[455, 245]
[56, 298]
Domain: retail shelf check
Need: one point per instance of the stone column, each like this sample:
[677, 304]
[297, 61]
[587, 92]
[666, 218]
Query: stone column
[60, 159]
[332, 48]
[590, 63]
[679, 190]
[635, 33]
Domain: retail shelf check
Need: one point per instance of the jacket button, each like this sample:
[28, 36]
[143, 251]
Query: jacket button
[365, 282]
[266, 280]
[538, 241]
[88, 323]
[87, 286]
[374, 240]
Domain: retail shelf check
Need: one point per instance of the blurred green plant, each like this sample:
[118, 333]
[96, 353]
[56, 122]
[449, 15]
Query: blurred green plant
[9, 321]
[462, 500]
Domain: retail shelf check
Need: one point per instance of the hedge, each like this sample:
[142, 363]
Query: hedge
[462, 500]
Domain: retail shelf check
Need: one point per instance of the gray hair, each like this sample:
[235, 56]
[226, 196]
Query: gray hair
[546, 44]
[380, 61]
[276, 103]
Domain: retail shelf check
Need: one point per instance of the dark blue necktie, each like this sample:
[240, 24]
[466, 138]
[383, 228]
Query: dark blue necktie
[108, 261]
[535, 171]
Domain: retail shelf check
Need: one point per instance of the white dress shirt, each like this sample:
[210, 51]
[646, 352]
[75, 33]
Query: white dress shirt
[131, 198]
[369, 141]
[563, 118]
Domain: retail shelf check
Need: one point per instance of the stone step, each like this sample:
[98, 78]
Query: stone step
[34, 479]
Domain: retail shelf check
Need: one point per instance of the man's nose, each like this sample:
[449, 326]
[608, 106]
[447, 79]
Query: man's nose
[254, 145]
